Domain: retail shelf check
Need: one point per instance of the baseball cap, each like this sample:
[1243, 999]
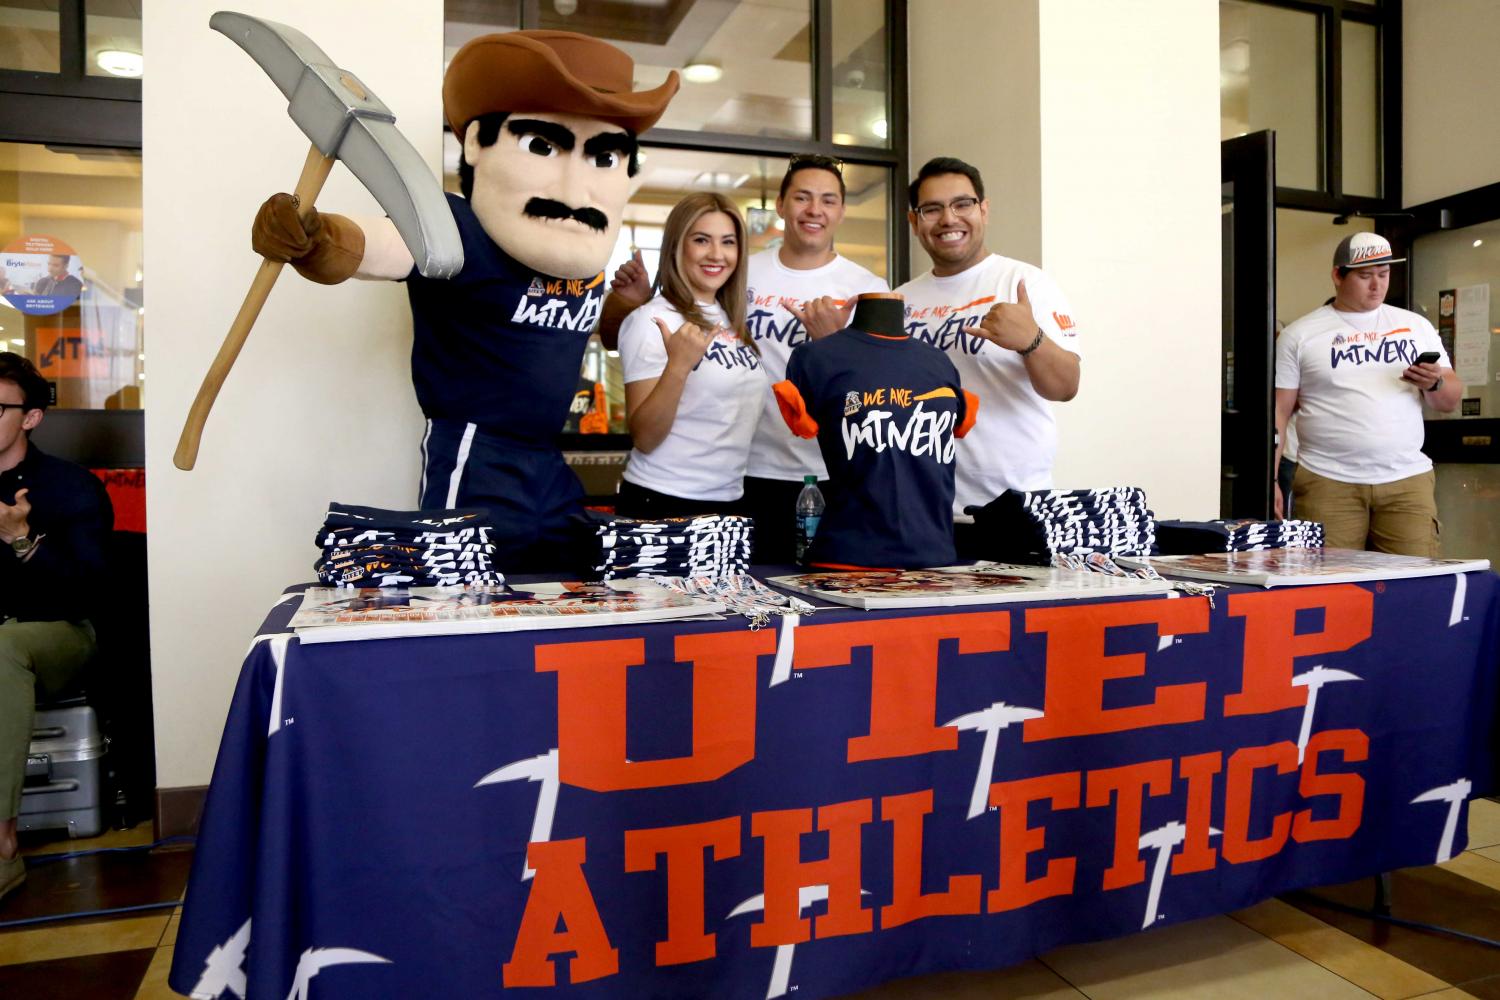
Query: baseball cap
[1364, 250]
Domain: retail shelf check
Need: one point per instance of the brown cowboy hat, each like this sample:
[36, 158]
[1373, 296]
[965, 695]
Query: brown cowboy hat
[558, 71]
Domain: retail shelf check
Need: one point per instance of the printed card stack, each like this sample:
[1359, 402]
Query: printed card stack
[1038, 526]
[1190, 538]
[371, 547]
[711, 545]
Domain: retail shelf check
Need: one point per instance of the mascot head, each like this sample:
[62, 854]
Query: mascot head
[548, 123]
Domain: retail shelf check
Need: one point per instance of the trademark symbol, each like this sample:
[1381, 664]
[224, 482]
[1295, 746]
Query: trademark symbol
[796, 673]
[288, 721]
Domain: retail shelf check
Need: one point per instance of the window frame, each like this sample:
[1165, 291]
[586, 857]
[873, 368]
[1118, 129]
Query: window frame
[70, 107]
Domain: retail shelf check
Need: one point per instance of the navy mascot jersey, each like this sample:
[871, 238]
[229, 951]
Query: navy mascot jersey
[499, 345]
[886, 412]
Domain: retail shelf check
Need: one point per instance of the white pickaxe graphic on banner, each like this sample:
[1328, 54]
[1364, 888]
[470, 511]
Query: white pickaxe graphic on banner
[1166, 640]
[1460, 587]
[1163, 840]
[224, 969]
[315, 960]
[1312, 680]
[543, 768]
[781, 966]
[1455, 794]
[989, 721]
[781, 669]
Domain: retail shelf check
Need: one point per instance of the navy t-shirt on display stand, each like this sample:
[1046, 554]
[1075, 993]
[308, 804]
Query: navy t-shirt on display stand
[499, 345]
[886, 412]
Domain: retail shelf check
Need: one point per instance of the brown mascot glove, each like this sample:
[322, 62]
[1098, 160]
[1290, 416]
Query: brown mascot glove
[326, 248]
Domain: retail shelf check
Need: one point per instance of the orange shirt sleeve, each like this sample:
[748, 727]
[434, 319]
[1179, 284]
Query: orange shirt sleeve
[971, 414]
[794, 410]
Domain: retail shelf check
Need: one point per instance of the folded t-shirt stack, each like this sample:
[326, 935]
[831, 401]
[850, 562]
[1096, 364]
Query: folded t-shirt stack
[711, 545]
[1189, 538]
[1034, 527]
[371, 547]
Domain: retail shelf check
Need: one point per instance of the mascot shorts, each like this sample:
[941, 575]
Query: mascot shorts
[532, 495]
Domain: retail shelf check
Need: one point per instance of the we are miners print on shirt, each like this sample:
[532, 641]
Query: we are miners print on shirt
[1014, 442]
[886, 412]
[1358, 421]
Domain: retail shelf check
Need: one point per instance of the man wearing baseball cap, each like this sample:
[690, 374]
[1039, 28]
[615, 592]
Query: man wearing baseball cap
[1357, 373]
[547, 121]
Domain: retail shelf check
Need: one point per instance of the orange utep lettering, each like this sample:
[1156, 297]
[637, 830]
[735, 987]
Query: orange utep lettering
[591, 727]
[1018, 841]
[1127, 786]
[559, 893]
[1197, 854]
[1239, 790]
[903, 674]
[1077, 667]
[908, 903]
[1350, 788]
[786, 873]
[1272, 642]
[683, 847]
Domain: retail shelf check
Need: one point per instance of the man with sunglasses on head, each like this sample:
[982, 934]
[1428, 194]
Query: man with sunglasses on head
[1007, 327]
[55, 520]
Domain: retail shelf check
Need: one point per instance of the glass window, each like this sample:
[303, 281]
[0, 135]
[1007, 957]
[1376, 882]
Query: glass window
[1305, 242]
[746, 64]
[466, 19]
[861, 109]
[1455, 278]
[71, 295]
[1268, 79]
[112, 38]
[1361, 118]
[29, 32]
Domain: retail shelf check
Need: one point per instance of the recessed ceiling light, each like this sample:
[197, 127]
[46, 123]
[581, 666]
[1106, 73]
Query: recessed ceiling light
[118, 62]
[1479, 243]
[703, 71]
[881, 128]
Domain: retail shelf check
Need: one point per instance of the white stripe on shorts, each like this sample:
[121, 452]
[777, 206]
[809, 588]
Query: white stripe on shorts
[458, 465]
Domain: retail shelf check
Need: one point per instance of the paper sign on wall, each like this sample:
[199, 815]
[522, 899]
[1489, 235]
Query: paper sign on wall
[1471, 334]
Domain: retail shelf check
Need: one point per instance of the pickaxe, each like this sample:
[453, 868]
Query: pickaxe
[781, 966]
[1455, 795]
[315, 960]
[345, 122]
[1163, 839]
[224, 969]
[989, 721]
[1312, 680]
[543, 768]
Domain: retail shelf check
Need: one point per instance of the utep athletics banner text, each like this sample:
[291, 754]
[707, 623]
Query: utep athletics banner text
[714, 811]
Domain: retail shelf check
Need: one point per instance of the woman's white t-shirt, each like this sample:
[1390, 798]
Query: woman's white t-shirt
[704, 455]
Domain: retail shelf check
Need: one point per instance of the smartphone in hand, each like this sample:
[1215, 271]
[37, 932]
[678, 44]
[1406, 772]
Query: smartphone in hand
[1428, 358]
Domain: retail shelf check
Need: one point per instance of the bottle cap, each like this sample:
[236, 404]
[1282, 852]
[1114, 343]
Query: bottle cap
[810, 480]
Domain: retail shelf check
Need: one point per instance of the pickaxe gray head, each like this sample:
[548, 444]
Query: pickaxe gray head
[1458, 791]
[344, 120]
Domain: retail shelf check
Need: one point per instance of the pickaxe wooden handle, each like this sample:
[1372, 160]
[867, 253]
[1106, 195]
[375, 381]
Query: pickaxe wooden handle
[314, 173]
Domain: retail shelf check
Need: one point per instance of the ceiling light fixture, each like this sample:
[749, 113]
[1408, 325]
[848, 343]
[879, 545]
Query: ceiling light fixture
[881, 128]
[703, 71]
[1479, 243]
[118, 62]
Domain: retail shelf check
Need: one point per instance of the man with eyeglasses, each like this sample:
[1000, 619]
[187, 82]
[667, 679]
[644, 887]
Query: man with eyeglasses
[55, 520]
[1007, 327]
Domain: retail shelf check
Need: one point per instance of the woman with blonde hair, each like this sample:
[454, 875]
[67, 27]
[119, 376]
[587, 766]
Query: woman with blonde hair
[694, 385]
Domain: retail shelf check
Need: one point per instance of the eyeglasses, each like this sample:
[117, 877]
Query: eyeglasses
[801, 160]
[13, 406]
[933, 210]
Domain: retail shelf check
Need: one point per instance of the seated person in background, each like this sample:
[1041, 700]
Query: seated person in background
[694, 385]
[55, 520]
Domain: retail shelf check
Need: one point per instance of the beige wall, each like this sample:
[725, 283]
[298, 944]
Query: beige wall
[1102, 164]
[1304, 259]
[320, 404]
[1451, 119]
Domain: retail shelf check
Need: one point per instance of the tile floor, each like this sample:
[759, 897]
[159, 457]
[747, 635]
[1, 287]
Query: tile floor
[1287, 948]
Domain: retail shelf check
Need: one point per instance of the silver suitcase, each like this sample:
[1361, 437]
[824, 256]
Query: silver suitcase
[64, 771]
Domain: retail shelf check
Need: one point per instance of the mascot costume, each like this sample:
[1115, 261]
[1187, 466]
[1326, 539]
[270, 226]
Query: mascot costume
[548, 121]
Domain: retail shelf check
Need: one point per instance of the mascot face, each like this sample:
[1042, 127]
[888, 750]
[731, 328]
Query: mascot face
[551, 189]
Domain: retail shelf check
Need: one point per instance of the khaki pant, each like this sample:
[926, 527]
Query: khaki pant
[34, 656]
[1399, 517]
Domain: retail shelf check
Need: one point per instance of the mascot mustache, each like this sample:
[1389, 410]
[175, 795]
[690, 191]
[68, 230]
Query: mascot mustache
[546, 208]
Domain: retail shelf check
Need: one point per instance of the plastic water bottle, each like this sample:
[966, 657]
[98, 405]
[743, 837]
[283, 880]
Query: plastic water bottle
[809, 512]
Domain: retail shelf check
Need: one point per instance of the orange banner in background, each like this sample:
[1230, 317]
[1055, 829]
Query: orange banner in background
[69, 353]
